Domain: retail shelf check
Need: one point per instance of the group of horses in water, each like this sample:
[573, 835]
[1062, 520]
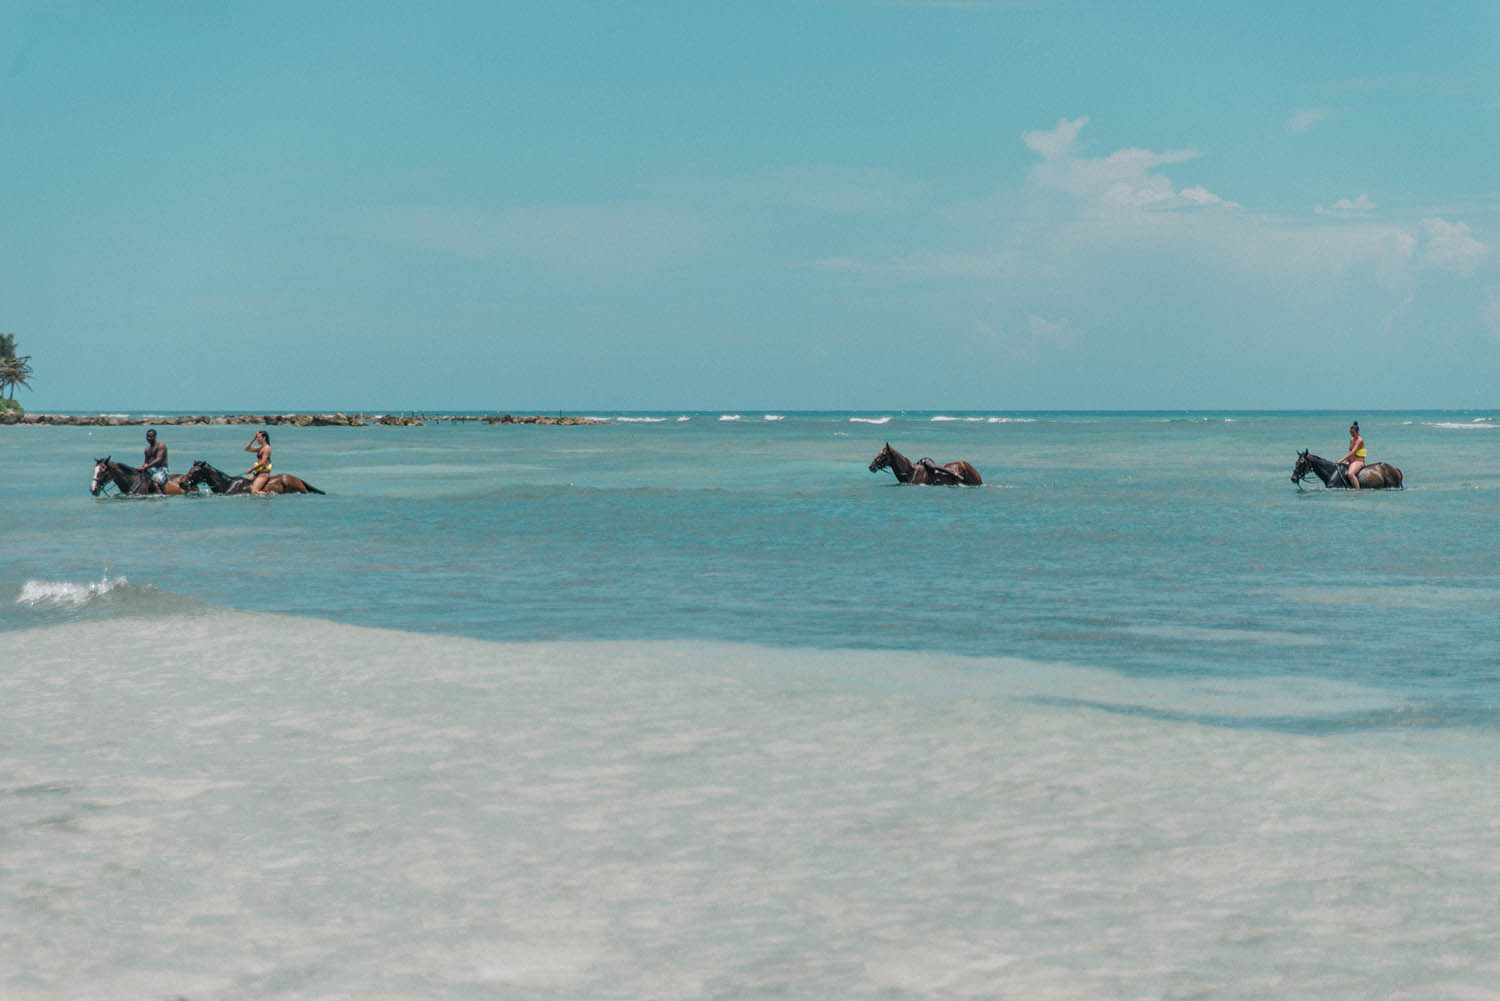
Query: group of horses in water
[136, 482]
[139, 483]
[1375, 476]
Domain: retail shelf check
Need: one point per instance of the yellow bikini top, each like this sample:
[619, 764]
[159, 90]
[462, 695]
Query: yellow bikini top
[1360, 453]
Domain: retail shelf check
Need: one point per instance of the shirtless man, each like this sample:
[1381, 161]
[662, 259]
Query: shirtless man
[260, 470]
[156, 461]
[1355, 457]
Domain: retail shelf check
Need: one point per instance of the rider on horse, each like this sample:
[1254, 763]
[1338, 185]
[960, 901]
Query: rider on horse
[1354, 460]
[156, 460]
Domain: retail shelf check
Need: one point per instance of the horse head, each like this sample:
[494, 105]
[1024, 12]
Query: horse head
[101, 475]
[1302, 468]
[202, 472]
[195, 475]
[882, 460]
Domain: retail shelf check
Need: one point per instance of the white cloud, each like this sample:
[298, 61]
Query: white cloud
[1039, 336]
[1449, 246]
[1125, 179]
[1489, 313]
[1058, 141]
[838, 265]
[1051, 333]
[1348, 207]
[1305, 119]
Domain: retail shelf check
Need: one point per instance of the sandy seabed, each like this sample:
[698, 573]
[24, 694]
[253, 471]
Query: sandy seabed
[231, 805]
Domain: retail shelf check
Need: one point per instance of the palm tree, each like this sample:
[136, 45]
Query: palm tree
[14, 370]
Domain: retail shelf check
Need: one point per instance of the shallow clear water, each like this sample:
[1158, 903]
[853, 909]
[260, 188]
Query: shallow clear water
[703, 708]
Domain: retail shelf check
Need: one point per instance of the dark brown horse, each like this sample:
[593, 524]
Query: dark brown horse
[958, 473]
[135, 482]
[222, 483]
[1373, 477]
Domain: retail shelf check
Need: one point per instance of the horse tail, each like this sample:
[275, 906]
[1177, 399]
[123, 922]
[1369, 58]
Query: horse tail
[312, 489]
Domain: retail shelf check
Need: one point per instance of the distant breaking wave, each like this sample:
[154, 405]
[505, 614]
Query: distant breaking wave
[869, 420]
[1477, 424]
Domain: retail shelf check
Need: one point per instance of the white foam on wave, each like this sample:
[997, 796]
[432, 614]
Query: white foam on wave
[774, 417]
[66, 594]
[642, 420]
[730, 417]
[941, 419]
[869, 420]
[683, 418]
[1010, 420]
[1478, 424]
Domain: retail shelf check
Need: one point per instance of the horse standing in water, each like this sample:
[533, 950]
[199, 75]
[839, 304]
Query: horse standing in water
[958, 473]
[222, 483]
[135, 482]
[1374, 476]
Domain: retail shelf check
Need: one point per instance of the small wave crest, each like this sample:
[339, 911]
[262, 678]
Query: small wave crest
[1478, 424]
[869, 420]
[642, 420]
[108, 596]
[65, 593]
[730, 417]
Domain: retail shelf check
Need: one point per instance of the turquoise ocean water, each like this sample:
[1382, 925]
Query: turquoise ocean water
[694, 705]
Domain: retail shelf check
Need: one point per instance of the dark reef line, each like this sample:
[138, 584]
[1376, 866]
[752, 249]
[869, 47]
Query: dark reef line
[296, 420]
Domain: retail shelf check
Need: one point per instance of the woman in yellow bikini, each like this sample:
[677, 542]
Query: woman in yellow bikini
[1356, 456]
[261, 470]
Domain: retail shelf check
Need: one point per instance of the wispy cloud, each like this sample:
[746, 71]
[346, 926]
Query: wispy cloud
[1490, 313]
[1449, 246]
[1304, 119]
[1360, 206]
[1035, 337]
[1125, 179]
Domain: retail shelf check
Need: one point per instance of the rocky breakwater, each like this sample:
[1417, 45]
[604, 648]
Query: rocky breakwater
[118, 420]
[538, 419]
[295, 420]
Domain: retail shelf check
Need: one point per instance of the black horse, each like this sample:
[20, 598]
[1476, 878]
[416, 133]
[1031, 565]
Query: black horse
[1374, 476]
[135, 482]
[220, 482]
[958, 473]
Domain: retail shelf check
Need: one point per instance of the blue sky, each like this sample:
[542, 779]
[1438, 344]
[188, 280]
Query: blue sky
[792, 204]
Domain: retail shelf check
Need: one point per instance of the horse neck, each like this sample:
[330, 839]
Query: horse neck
[218, 481]
[1324, 468]
[900, 465]
[125, 478]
